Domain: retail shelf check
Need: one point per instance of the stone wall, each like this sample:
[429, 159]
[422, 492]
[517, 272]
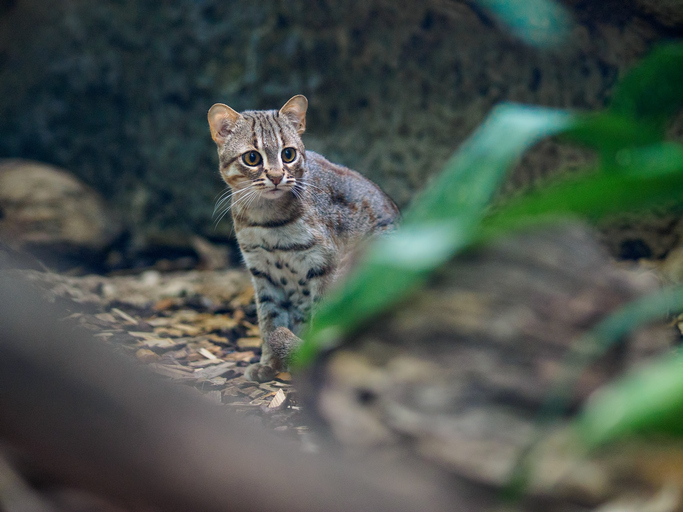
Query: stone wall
[117, 90]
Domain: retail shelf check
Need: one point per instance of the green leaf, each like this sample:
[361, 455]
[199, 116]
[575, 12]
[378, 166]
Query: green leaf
[448, 216]
[609, 332]
[651, 176]
[607, 415]
[647, 401]
[537, 22]
[644, 403]
[652, 91]
[442, 221]
[609, 132]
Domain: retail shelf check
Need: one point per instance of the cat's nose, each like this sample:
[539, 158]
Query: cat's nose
[276, 179]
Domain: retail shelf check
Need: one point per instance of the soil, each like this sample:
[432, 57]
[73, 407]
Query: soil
[197, 328]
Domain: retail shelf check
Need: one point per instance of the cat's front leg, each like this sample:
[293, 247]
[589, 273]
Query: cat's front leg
[276, 351]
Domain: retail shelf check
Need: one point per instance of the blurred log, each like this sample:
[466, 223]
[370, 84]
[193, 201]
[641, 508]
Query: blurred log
[434, 401]
[456, 376]
[84, 416]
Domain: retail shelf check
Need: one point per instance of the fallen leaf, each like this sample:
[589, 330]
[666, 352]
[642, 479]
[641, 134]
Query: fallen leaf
[175, 372]
[160, 322]
[206, 353]
[214, 396]
[169, 331]
[215, 338]
[152, 340]
[164, 304]
[249, 342]
[146, 356]
[125, 316]
[245, 297]
[204, 363]
[160, 342]
[240, 356]
[214, 371]
[188, 329]
[106, 317]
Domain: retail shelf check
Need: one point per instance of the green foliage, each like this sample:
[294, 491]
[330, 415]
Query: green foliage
[651, 93]
[637, 169]
[650, 176]
[537, 22]
[648, 402]
[443, 221]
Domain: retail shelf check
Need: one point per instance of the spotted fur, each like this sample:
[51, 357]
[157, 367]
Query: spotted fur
[296, 221]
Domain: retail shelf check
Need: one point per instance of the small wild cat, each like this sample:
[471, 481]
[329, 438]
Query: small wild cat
[297, 217]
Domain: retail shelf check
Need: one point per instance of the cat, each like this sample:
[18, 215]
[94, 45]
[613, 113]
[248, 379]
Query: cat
[297, 218]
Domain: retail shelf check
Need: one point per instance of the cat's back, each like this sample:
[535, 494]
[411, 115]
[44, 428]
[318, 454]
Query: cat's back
[347, 202]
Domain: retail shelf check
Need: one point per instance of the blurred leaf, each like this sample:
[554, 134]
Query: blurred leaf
[448, 216]
[442, 221]
[608, 415]
[651, 176]
[473, 173]
[652, 91]
[610, 331]
[651, 160]
[608, 132]
[647, 401]
[537, 22]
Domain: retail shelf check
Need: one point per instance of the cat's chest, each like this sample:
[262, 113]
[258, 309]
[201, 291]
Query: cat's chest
[287, 260]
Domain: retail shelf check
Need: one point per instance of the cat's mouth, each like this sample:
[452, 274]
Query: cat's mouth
[274, 193]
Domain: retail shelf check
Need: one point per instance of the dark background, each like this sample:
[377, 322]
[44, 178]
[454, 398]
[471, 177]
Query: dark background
[116, 91]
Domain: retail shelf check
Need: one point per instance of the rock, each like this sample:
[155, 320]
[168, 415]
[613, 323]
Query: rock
[667, 12]
[393, 90]
[49, 210]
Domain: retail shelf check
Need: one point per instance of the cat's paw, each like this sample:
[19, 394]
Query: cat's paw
[258, 372]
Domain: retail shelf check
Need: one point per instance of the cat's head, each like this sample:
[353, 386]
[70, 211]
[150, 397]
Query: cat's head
[261, 148]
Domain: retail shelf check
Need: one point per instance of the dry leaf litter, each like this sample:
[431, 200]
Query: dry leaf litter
[197, 328]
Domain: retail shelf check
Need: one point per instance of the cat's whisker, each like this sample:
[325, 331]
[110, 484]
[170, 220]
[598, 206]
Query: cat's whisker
[227, 190]
[234, 195]
[244, 194]
[307, 183]
[227, 195]
[224, 207]
[224, 197]
[314, 187]
[259, 193]
[242, 201]
[298, 192]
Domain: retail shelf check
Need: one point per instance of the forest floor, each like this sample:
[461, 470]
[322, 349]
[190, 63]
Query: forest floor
[196, 328]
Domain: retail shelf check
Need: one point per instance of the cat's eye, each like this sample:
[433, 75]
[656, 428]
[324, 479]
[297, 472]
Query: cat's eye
[288, 155]
[251, 158]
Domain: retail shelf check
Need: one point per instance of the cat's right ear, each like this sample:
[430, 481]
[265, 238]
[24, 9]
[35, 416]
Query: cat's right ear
[295, 111]
[222, 120]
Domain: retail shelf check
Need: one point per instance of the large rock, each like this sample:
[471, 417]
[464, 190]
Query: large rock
[47, 209]
[666, 12]
[118, 91]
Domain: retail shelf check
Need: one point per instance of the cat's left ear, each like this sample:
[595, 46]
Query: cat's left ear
[295, 111]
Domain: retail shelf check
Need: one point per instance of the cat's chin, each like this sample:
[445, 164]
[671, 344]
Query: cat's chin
[274, 193]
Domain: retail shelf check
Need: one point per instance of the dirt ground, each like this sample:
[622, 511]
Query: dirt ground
[196, 328]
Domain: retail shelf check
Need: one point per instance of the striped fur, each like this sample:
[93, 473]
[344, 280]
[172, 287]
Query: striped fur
[296, 221]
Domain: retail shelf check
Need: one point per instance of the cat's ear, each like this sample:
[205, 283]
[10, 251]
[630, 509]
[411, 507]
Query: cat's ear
[222, 120]
[295, 111]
